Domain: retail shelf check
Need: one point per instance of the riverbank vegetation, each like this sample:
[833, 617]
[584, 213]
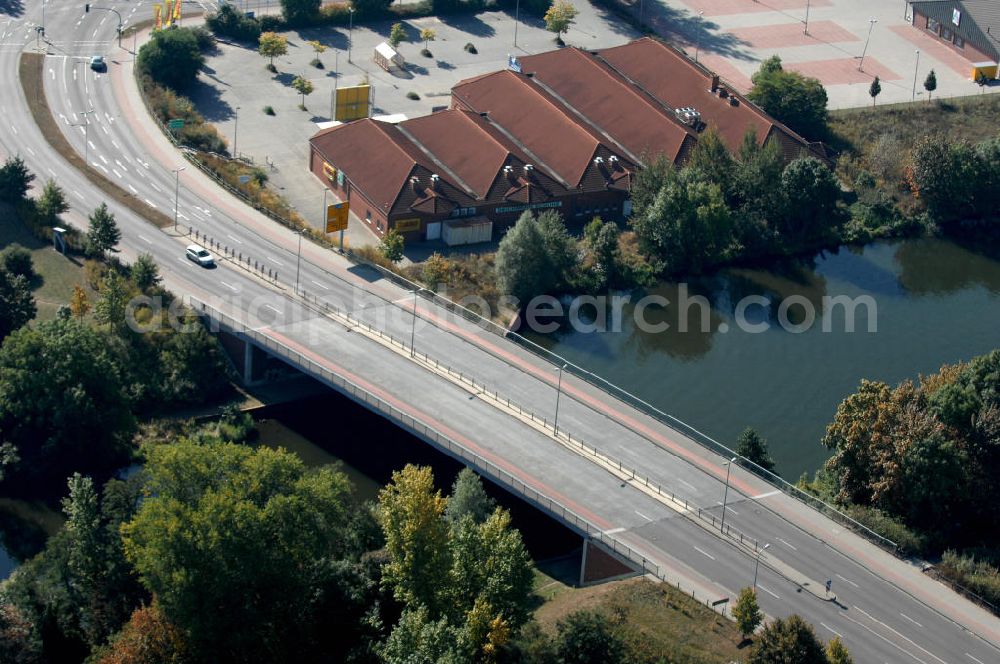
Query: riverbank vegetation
[914, 461]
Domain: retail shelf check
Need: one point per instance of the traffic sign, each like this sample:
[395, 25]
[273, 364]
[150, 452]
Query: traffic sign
[177, 123]
[244, 179]
[336, 217]
[717, 602]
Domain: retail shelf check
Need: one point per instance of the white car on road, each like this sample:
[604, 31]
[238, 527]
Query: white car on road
[200, 255]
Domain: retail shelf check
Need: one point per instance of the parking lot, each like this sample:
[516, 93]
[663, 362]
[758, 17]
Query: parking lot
[235, 85]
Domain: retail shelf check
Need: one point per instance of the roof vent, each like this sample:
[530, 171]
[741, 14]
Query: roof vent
[415, 184]
[733, 101]
[508, 172]
[723, 93]
[715, 82]
[598, 160]
[435, 181]
[528, 168]
[614, 161]
[688, 115]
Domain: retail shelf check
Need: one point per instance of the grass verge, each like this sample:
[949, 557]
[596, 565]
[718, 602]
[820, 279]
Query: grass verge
[31, 73]
[667, 621]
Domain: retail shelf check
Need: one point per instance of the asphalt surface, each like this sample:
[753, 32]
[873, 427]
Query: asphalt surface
[886, 610]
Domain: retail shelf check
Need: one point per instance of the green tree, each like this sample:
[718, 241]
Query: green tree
[145, 273]
[602, 243]
[192, 365]
[15, 179]
[944, 175]
[427, 35]
[787, 641]
[586, 637]
[688, 226]
[420, 639]
[17, 303]
[468, 498]
[559, 17]
[112, 303]
[147, 638]
[751, 446]
[272, 45]
[172, 57]
[796, 100]
[304, 87]
[874, 90]
[300, 12]
[930, 83]
[648, 183]
[397, 35]
[103, 233]
[239, 546]
[811, 191]
[79, 304]
[370, 8]
[711, 157]
[392, 245]
[231, 22]
[51, 203]
[17, 260]
[62, 404]
[416, 538]
[747, 613]
[534, 256]
[836, 652]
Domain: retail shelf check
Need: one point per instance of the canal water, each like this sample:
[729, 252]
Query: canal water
[936, 303]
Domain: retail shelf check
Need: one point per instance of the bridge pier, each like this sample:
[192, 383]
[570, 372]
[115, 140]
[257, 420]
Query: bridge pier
[248, 360]
[598, 564]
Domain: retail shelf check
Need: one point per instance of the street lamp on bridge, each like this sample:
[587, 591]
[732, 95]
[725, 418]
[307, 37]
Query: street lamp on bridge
[725, 496]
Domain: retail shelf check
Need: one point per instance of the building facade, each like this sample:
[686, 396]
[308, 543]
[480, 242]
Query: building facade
[970, 27]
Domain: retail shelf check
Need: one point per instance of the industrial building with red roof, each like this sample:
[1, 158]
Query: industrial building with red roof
[566, 132]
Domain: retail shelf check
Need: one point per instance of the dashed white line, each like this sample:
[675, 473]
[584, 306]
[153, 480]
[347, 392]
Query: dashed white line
[907, 639]
[145, 239]
[30, 151]
[156, 188]
[643, 515]
[115, 171]
[51, 172]
[133, 189]
[704, 553]
[911, 619]
[328, 288]
[687, 484]
[233, 288]
[894, 645]
[786, 544]
[234, 239]
[78, 194]
[846, 580]
[268, 306]
[974, 659]
[613, 531]
[13, 129]
[768, 591]
[150, 203]
[101, 157]
[274, 260]
[832, 630]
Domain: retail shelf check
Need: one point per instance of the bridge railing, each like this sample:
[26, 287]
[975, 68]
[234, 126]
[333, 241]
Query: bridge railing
[690, 432]
[449, 446]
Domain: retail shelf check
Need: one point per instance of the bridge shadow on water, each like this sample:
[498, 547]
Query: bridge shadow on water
[376, 447]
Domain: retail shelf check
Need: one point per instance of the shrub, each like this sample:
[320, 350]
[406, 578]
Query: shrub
[268, 110]
[470, 48]
[412, 95]
[230, 22]
[172, 57]
[317, 63]
[978, 575]
[202, 137]
[17, 260]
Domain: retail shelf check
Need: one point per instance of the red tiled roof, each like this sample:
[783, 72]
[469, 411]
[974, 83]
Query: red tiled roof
[545, 129]
[676, 82]
[587, 85]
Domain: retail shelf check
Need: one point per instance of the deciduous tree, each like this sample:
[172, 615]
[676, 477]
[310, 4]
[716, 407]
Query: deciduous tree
[79, 303]
[103, 233]
[145, 273]
[272, 45]
[751, 446]
[796, 100]
[788, 641]
[397, 35]
[304, 87]
[586, 637]
[300, 12]
[51, 203]
[930, 83]
[747, 613]
[392, 245]
[874, 90]
[17, 303]
[427, 35]
[836, 652]
[172, 57]
[15, 179]
[112, 301]
[468, 498]
[559, 17]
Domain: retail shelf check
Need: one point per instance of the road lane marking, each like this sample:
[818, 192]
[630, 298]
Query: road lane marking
[150, 204]
[911, 620]
[156, 188]
[268, 306]
[101, 157]
[328, 288]
[115, 171]
[30, 151]
[183, 216]
[643, 515]
[235, 289]
[786, 544]
[846, 580]
[768, 591]
[120, 164]
[274, 260]
[234, 239]
[78, 194]
[974, 659]
[614, 531]
[704, 553]
[897, 633]
[891, 643]
[832, 630]
[133, 189]
[768, 495]
[687, 484]
[13, 129]
[145, 239]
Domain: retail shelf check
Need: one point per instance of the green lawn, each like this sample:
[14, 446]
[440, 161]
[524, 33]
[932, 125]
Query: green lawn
[677, 627]
[57, 273]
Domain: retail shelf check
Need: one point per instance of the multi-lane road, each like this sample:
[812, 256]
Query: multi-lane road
[886, 610]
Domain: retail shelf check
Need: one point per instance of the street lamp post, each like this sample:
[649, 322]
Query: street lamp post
[177, 191]
[871, 26]
[236, 129]
[725, 496]
[916, 67]
[350, 32]
[806, 29]
[697, 39]
[555, 420]
[517, 17]
[757, 565]
[298, 260]
[413, 323]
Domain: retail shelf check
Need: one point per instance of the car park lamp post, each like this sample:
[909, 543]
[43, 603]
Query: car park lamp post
[916, 67]
[697, 39]
[517, 16]
[236, 129]
[757, 565]
[350, 32]
[871, 26]
[177, 191]
[413, 323]
[805, 30]
[298, 260]
[725, 496]
[555, 420]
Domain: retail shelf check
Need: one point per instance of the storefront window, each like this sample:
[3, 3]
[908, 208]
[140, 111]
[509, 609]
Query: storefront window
[933, 25]
[959, 42]
[946, 34]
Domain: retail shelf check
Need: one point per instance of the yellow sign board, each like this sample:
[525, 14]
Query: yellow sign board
[407, 225]
[353, 103]
[336, 217]
[329, 171]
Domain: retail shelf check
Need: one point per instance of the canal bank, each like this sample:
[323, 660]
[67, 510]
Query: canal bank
[935, 302]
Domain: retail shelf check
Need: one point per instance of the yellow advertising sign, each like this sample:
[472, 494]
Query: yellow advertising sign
[329, 171]
[177, 10]
[336, 217]
[156, 13]
[353, 102]
[407, 225]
